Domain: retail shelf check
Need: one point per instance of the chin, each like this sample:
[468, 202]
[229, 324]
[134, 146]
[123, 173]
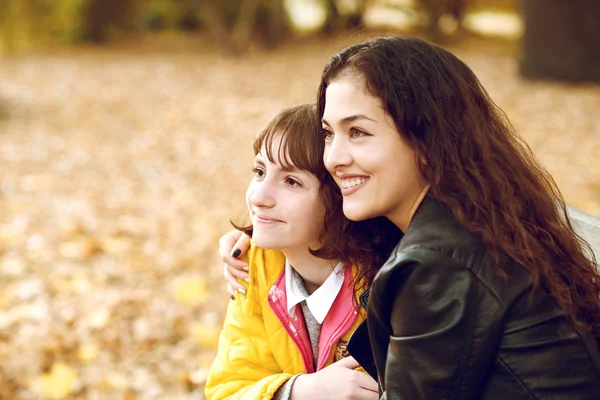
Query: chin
[264, 242]
[268, 241]
[354, 213]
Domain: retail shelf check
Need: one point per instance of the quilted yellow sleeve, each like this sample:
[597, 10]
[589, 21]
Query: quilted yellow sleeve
[244, 367]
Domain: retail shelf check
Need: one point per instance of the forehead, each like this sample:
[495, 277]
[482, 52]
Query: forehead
[276, 155]
[348, 95]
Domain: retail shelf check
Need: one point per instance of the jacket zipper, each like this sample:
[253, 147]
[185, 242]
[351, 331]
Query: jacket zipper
[287, 329]
[342, 332]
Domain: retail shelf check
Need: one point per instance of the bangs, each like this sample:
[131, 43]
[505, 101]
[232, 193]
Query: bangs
[301, 145]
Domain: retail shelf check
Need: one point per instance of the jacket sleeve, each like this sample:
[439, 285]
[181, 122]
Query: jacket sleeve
[244, 367]
[442, 327]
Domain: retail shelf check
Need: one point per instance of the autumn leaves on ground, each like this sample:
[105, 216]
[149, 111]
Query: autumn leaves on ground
[121, 167]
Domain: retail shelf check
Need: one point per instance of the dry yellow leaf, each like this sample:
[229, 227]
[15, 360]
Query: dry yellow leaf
[9, 235]
[79, 249]
[191, 290]
[129, 396]
[117, 381]
[207, 336]
[98, 318]
[58, 383]
[71, 228]
[87, 352]
[115, 244]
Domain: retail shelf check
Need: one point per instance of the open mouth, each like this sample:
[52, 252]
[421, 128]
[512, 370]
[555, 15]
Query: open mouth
[351, 185]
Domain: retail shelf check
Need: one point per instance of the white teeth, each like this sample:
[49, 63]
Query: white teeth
[351, 182]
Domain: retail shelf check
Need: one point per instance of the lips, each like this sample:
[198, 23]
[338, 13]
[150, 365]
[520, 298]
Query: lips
[349, 183]
[265, 219]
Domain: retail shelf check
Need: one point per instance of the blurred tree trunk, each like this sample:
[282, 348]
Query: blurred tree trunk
[336, 20]
[266, 19]
[436, 9]
[272, 25]
[332, 15]
[561, 40]
[99, 16]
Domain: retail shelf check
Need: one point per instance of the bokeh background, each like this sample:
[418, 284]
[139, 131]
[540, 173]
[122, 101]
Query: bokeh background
[125, 149]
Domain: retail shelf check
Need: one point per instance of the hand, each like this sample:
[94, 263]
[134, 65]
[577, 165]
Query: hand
[234, 268]
[337, 381]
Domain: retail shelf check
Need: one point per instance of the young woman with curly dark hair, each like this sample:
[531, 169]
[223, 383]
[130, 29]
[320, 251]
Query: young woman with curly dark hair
[490, 293]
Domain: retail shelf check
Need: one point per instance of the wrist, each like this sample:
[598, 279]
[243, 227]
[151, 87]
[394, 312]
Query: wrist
[298, 387]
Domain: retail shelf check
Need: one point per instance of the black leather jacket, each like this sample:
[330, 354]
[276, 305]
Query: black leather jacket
[444, 325]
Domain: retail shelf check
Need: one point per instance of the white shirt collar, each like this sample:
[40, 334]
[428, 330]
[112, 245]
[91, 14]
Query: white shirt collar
[321, 300]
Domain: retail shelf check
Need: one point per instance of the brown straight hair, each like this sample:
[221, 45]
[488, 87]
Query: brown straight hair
[365, 244]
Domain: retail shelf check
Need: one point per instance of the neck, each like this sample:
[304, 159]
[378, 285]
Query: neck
[313, 270]
[404, 215]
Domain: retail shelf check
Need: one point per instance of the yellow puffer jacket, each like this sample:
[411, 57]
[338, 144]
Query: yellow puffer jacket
[261, 346]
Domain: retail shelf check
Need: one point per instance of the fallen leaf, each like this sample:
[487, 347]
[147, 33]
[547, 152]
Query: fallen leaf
[58, 383]
[115, 244]
[79, 249]
[117, 381]
[87, 352]
[71, 228]
[98, 318]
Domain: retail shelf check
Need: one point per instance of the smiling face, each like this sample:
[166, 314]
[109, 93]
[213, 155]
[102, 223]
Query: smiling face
[372, 163]
[283, 203]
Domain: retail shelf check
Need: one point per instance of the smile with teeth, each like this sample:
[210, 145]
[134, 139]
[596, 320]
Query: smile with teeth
[348, 183]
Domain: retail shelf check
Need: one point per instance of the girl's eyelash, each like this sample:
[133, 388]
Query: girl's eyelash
[293, 182]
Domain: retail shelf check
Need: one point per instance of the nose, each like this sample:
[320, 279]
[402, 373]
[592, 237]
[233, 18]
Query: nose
[262, 195]
[336, 155]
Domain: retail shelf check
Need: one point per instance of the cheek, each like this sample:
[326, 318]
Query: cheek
[249, 192]
[318, 216]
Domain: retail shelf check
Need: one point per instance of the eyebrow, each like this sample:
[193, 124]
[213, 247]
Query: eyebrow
[285, 168]
[350, 119]
[258, 159]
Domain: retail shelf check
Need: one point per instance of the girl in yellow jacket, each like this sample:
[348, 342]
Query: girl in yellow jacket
[286, 338]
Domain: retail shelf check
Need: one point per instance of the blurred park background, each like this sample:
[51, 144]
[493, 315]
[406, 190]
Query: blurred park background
[125, 149]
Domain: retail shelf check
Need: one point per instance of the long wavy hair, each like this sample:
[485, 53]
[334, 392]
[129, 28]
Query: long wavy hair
[477, 165]
[365, 244]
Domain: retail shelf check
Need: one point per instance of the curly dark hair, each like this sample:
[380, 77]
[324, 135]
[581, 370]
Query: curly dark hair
[477, 165]
[365, 244]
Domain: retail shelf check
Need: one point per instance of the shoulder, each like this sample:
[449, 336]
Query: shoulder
[435, 241]
[266, 263]
[264, 268]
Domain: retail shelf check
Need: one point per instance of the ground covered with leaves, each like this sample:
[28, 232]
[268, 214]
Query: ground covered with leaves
[119, 169]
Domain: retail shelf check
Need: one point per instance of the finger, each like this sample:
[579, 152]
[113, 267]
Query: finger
[367, 395]
[241, 246]
[348, 362]
[237, 272]
[230, 291]
[227, 242]
[366, 382]
[232, 281]
[237, 267]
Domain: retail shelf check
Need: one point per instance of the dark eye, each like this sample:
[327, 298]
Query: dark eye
[259, 173]
[327, 134]
[292, 182]
[357, 133]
